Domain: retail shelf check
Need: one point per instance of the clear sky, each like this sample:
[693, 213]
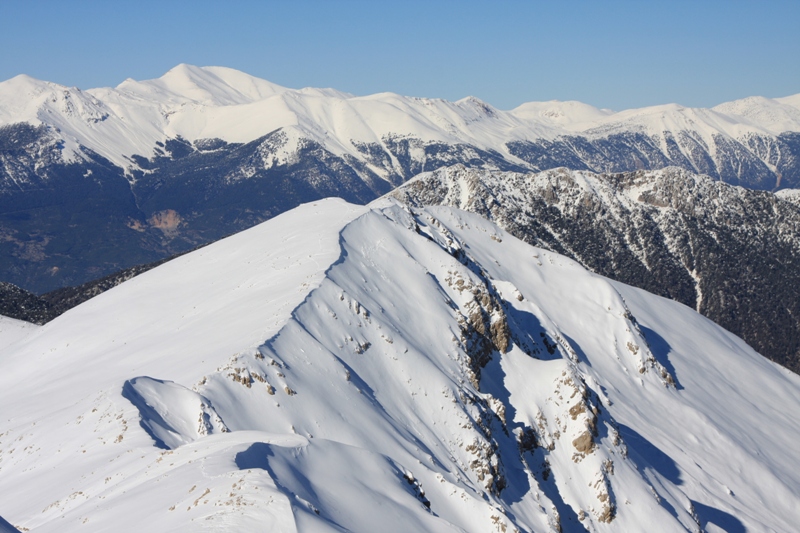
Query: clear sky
[613, 54]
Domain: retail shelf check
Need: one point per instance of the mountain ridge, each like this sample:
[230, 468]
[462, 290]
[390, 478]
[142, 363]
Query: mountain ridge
[417, 364]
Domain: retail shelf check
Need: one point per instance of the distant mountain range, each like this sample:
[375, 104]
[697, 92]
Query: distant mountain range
[99, 180]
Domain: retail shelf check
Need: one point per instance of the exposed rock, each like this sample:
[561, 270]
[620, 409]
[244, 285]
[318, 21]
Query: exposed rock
[584, 443]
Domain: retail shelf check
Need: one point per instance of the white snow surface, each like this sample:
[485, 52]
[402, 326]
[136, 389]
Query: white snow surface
[13, 330]
[570, 115]
[317, 373]
[216, 102]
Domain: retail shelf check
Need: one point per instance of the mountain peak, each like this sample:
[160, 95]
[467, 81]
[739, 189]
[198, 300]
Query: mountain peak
[213, 86]
[23, 85]
[562, 113]
[781, 114]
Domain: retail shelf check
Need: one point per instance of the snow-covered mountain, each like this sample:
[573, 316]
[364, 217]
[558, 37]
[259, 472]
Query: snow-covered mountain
[196, 103]
[728, 252]
[380, 368]
[98, 180]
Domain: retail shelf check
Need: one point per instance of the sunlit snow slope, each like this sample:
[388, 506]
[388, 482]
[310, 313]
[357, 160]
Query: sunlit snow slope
[344, 368]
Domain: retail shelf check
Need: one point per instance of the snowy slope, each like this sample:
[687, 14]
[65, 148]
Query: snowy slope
[13, 331]
[344, 368]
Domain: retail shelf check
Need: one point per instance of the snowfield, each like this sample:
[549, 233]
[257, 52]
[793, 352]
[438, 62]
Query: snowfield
[349, 368]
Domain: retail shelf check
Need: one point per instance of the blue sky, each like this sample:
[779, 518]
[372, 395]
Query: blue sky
[607, 53]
